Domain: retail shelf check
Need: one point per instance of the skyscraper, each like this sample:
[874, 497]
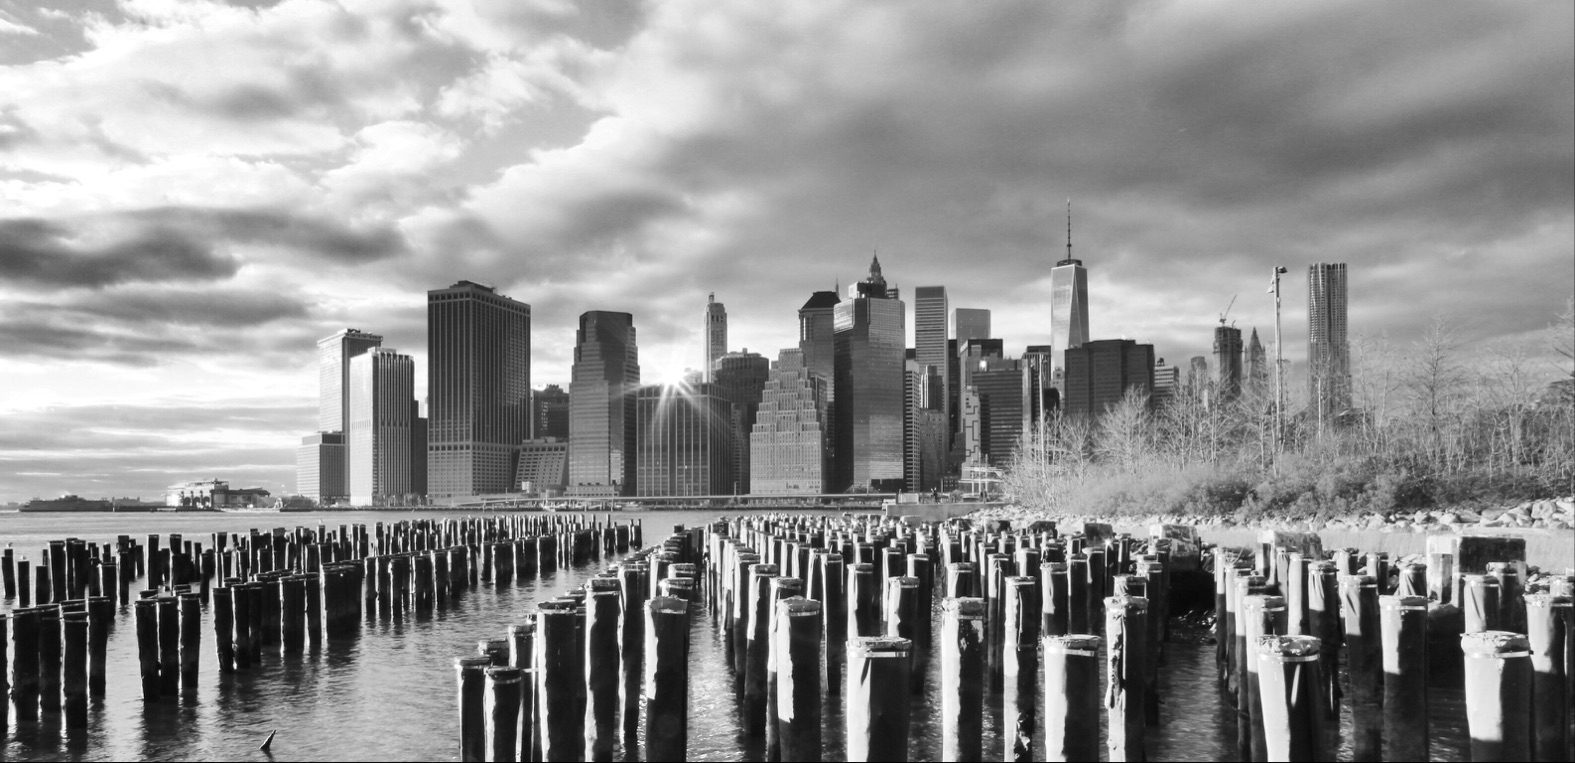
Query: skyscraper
[870, 349]
[320, 467]
[1099, 374]
[970, 323]
[715, 335]
[382, 394]
[929, 338]
[551, 417]
[1068, 304]
[1227, 363]
[740, 379]
[1167, 380]
[1255, 373]
[1005, 389]
[333, 375]
[967, 323]
[684, 438]
[817, 334]
[789, 444]
[602, 408]
[1328, 356]
[478, 375]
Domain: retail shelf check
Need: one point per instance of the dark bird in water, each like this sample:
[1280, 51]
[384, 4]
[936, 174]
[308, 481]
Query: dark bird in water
[269, 741]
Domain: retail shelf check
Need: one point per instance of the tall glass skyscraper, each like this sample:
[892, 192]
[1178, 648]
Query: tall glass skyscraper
[478, 375]
[382, 397]
[333, 375]
[1227, 363]
[1068, 306]
[871, 352]
[602, 407]
[1328, 355]
[685, 439]
[740, 378]
[929, 338]
[715, 335]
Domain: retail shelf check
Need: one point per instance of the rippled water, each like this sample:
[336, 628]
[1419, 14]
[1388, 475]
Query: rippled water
[390, 693]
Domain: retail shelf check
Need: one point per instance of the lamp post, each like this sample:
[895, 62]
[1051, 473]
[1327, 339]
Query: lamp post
[1279, 368]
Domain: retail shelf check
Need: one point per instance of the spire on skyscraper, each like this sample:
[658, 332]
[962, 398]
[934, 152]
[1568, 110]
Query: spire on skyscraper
[1069, 227]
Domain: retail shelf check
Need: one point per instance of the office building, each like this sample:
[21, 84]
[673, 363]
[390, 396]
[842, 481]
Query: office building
[1068, 305]
[418, 450]
[684, 437]
[320, 467]
[1167, 381]
[1255, 370]
[602, 413]
[1199, 383]
[478, 377]
[715, 335]
[1038, 356]
[740, 378]
[789, 444]
[1099, 373]
[1328, 355]
[868, 402]
[970, 323]
[930, 335]
[382, 390]
[544, 466]
[551, 413]
[1005, 390]
[1227, 363]
[333, 375]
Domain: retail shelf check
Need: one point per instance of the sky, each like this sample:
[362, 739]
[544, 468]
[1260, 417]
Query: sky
[192, 193]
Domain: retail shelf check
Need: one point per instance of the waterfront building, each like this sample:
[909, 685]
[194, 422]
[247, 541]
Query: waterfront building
[550, 413]
[930, 335]
[1099, 373]
[923, 430]
[605, 376]
[333, 375]
[1006, 391]
[1255, 371]
[478, 377]
[715, 335]
[684, 437]
[1227, 363]
[382, 396]
[740, 378]
[214, 494]
[1068, 306]
[868, 401]
[544, 466]
[1167, 380]
[1328, 355]
[789, 444]
[320, 468]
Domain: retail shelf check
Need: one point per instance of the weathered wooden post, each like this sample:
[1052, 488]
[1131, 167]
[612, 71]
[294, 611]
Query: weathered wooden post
[1292, 705]
[863, 602]
[148, 646]
[560, 728]
[795, 648]
[757, 648]
[1404, 626]
[1364, 650]
[877, 703]
[1498, 677]
[1078, 595]
[471, 675]
[1126, 625]
[1479, 602]
[962, 678]
[101, 616]
[190, 638]
[1020, 668]
[902, 618]
[501, 710]
[1547, 623]
[666, 691]
[224, 627]
[834, 619]
[49, 656]
[1071, 697]
[602, 610]
[74, 632]
[1053, 592]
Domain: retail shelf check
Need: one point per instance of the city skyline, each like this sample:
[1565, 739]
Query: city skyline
[173, 245]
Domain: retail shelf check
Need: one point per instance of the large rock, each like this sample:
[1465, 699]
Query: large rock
[1185, 548]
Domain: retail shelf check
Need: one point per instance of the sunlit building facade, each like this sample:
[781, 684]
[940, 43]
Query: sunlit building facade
[605, 377]
[382, 389]
[869, 368]
[478, 376]
[684, 440]
[788, 448]
[1328, 355]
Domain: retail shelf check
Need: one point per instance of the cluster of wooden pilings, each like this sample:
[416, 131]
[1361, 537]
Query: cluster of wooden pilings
[814, 609]
[1291, 618]
[266, 592]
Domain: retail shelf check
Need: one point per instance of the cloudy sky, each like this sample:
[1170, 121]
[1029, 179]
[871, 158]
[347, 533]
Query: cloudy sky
[192, 192]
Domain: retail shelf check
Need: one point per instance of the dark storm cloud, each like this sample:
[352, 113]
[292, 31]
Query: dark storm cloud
[173, 244]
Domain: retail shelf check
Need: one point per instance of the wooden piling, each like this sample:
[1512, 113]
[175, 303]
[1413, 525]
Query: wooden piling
[1547, 619]
[74, 679]
[1020, 668]
[49, 654]
[1071, 665]
[1292, 706]
[834, 619]
[877, 701]
[602, 609]
[147, 611]
[1054, 604]
[1323, 622]
[1479, 602]
[1126, 625]
[1498, 677]
[1364, 656]
[795, 645]
[101, 617]
[560, 728]
[224, 628]
[470, 673]
[501, 710]
[963, 641]
[758, 607]
[190, 638]
[666, 686]
[1404, 636]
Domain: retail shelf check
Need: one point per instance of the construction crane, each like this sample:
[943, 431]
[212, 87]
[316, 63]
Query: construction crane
[1227, 309]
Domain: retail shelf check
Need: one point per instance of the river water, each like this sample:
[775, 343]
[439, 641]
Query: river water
[390, 693]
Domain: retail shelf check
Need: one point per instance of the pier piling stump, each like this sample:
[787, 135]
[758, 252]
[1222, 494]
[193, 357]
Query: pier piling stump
[1404, 637]
[1547, 618]
[169, 645]
[1479, 602]
[758, 607]
[49, 658]
[962, 678]
[1054, 604]
[1126, 625]
[877, 703]
[148, 646]
[601, 667]
[471, 675]
[666, 685]
[560, 723]
[1071, 666]
[1020, 669]
[1498, 677]
[1292, 706]
[796, 648]
[1364, 656]
[224, 628]
[834, 619]
[501, 709]
[101, 615]
[190, 638]
[74, 679]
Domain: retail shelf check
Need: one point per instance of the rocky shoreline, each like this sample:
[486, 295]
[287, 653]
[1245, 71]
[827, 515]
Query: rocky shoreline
[1550, 514]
